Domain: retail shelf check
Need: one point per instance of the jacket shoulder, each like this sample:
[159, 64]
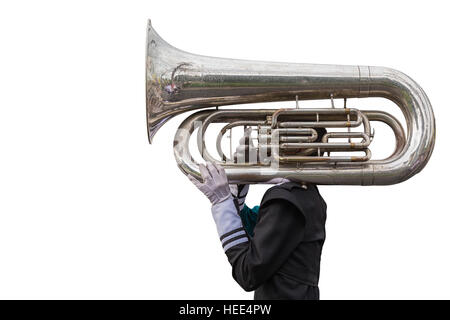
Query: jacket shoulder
[285, 191]
[302, 198]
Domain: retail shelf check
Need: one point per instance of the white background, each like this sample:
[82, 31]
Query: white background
[88, 209]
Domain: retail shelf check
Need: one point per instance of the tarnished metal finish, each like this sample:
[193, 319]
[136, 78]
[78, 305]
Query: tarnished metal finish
[177, 81]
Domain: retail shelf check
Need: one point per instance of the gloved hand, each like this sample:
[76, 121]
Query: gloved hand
[277, 181]
[215, 187]
[215, 183]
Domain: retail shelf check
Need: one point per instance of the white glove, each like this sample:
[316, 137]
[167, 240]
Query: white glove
[215, 183]
[277, 181]
[215, 187]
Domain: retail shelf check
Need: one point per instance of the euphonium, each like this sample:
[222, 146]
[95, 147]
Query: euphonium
[289, 143]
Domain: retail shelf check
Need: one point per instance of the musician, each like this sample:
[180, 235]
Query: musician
[274, 248]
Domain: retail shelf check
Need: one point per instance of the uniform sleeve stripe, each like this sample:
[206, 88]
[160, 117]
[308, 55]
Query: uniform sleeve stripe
[234, 243]
[230, 233]
[233, 235]
[234, 239]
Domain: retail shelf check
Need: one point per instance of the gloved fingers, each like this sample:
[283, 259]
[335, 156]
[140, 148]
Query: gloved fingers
[222, 176]
[277, 181]
[197, 183]
[220, 170]
[204, 172]
[213, 171]
[203, 187]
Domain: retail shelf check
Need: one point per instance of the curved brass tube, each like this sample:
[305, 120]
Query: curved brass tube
[178, 81]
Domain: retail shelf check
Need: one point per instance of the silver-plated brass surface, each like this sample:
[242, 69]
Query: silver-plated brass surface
[177, 81]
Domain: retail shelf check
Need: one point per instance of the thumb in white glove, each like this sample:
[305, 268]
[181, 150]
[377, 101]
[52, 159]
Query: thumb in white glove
[215, 183]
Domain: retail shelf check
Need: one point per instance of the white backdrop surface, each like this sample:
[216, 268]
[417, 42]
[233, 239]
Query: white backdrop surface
[88, 209]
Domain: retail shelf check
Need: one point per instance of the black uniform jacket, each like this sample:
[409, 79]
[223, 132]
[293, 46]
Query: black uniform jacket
[282, 259]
